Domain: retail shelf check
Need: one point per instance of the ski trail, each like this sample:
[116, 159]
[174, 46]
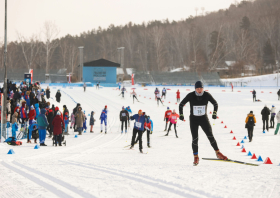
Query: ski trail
[162, 185]
[45, 185]
[55, 180]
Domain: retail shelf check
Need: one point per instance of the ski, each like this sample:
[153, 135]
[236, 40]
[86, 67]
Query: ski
[130, 145]
[231, 161]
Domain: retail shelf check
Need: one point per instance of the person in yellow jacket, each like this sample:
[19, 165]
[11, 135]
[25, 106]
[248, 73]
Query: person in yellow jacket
[250, 123]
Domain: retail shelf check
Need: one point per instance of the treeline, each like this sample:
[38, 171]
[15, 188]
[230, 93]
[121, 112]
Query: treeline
[247, 32]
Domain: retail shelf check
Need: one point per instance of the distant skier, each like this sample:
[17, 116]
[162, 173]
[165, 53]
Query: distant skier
[85, 86]
[254, 95]
[138, 129]
[122, 91]
[120, 85]
[148, 126]
[85, 122]
[58, 96]
[159, 99]
[134, 96]
[278, 93]
[198, 117]
[130, 112]
[265, 117]
[166, 117]
[173, 120]
[48, 92]
[124, 116]
[250, 123]
[231, 87]
[178, 95]
[164, 92]
[272, 116]
[103, 118]
[156, 92]
[97, 85]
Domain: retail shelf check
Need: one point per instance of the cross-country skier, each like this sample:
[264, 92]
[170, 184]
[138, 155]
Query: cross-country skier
[148, 126]
[130, 113]
[120, 85]
[48, 92]
[122, 91]
[265, 117]
[97, 85]
[278, 93]
[91, 121]
[178, 95]
[156, 92]
[58, 96]
[198, 117]
[278, 123]
[138, 129]
[166, 117]
[159, 99]
[133, 93]
[254, 95]
[103, 118]
[173, 120]
[164, 92]
[124, 116]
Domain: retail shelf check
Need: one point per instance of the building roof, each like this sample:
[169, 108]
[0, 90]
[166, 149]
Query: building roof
[101, 63]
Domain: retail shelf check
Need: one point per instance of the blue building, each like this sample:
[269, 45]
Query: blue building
[100, 70]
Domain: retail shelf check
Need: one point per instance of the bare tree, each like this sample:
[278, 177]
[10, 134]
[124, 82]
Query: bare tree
[73, 57]
[30, 48]
[50, 32]
[157, 37]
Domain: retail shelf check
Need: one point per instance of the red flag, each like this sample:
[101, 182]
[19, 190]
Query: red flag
[132, 79]
[31, 72]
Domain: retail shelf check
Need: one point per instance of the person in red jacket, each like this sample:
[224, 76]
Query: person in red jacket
[173, 120]
[31, 115]
[58, 127]
[178, 95]
[147, 127]
[166, 117]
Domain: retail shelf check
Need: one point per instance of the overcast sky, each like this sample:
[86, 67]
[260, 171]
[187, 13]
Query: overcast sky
[76, 16]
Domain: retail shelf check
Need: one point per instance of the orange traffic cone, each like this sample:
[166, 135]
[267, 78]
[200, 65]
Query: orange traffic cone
[267, 161]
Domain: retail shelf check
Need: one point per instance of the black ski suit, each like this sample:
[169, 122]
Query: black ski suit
[198, 117]
[58, 95]
[254, 95]
[124, 116]
[265, 116]
[48, 92]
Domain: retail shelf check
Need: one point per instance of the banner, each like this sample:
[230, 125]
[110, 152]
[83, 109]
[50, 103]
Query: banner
[132, 79]
[31, 72]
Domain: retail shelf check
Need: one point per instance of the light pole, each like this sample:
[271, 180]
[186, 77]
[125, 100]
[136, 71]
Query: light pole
[4, 100]
[81, 63]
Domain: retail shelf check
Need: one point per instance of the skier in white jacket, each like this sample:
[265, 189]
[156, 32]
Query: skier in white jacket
[273, 113]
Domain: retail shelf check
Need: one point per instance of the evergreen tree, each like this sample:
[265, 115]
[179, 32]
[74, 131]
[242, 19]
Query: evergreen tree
[245, 23]
[268, 54]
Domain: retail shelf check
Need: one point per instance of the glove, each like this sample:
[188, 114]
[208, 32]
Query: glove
[214, 115]
[130, 117]
[151, 132]
[182, 117]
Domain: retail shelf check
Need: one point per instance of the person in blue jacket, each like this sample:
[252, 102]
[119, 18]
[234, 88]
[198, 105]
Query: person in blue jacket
[148, 126]
[103, 118]
[85, 122]
[130, 112]
[37, 109]
[30, 129]
[42, 126]
[138, 128]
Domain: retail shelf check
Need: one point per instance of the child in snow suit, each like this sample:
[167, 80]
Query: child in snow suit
[91, 121]
[173, 120]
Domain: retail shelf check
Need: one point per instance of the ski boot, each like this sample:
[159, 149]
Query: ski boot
[29, 141]
[220, 155]
[91, 131]
[141, 151]
[131, 147]
[101, 131]
[176, 136]
[125, 131]
[166, 134]
[196, 160]
[149, 145]
[105, 132]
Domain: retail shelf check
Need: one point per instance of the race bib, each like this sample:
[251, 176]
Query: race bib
[168, 113]
[138, 124]
[123, 114]
[174, 117]
[199, 110]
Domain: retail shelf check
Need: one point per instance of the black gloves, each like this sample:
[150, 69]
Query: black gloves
[214, 116]
[182, 117]
[130, 117]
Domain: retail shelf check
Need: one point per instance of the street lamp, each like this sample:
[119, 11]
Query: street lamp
[4, 100]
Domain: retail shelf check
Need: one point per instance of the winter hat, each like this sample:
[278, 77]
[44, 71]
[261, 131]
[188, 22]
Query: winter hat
[251, 111]
[198, 84]
[167, 107]
[58, 113]
[56, 109]
[122, 107]
[32, 107]
[140, 111]
[92, 112]
[105, 106]
[64, 106]
[272, 105]
[128, 107]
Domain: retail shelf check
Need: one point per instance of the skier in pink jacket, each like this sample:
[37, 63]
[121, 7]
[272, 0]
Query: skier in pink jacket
[173, 120]
[72, 120]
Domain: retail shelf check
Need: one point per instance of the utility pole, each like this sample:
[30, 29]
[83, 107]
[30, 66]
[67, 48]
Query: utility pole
[4, 99]
[81, 49]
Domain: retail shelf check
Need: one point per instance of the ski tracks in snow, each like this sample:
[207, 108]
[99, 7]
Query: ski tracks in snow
[160, 184]
[46, 181]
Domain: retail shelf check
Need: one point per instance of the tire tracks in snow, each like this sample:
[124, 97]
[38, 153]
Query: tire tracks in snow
[160, 184]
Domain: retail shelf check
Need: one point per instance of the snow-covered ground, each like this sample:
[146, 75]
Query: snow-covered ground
[98, 165]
